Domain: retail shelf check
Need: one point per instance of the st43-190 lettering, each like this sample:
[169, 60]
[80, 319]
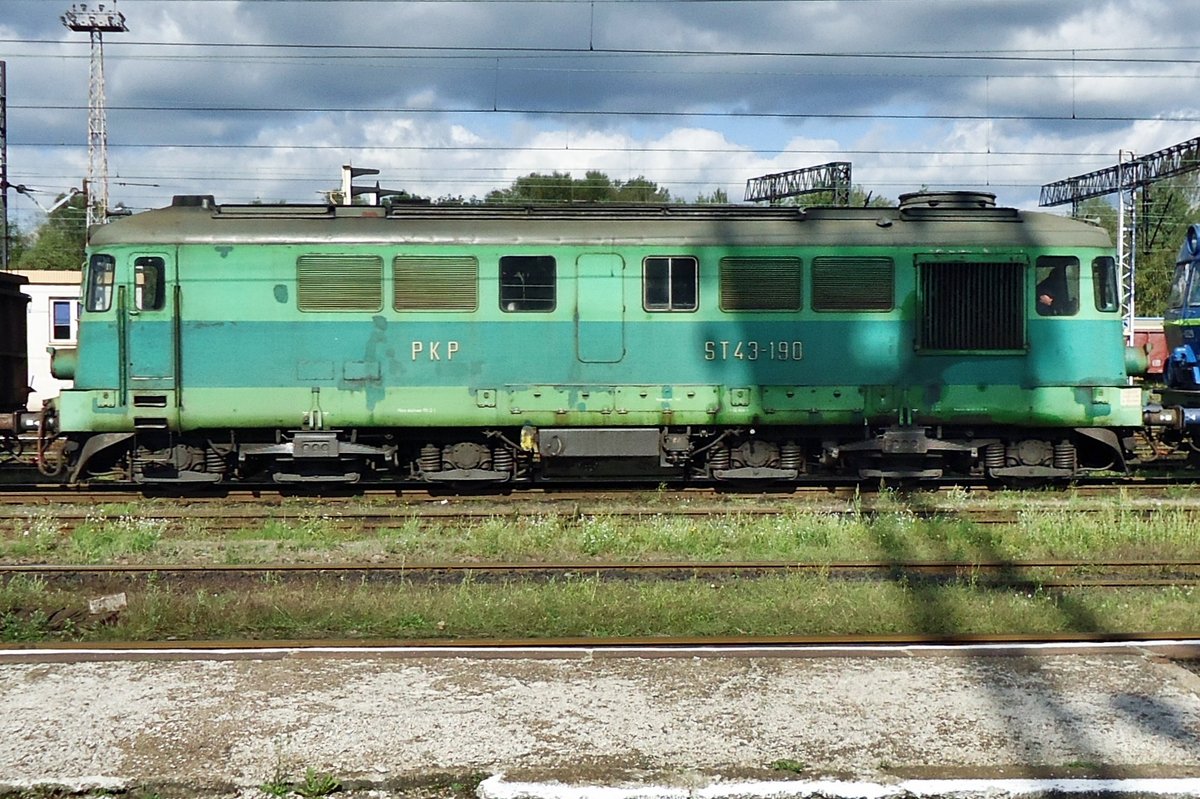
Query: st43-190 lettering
[753, 350]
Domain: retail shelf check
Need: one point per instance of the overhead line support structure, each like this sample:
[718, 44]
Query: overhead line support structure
[1130, 177]
[833, 177]
[103, 18]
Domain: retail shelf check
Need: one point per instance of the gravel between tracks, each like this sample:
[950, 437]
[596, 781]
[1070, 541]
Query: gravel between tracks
[220, 726]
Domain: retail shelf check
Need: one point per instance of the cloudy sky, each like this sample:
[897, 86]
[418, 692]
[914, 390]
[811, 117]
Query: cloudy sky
[266, 99]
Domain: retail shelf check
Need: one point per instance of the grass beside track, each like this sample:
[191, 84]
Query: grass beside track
[889, 526]
[588, 607]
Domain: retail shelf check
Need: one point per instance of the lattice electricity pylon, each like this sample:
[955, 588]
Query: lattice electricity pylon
[833, 177]
[104, 18]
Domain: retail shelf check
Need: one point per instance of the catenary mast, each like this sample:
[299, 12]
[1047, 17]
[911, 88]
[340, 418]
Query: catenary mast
[1130, 177]
[103, 18]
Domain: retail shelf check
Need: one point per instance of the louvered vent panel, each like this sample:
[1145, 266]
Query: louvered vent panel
[436, 283]
[339, 283]
[853, 284]
[972, 306]
[760, 284]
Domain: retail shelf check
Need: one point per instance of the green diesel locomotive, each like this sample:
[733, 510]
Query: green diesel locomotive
[481, 344]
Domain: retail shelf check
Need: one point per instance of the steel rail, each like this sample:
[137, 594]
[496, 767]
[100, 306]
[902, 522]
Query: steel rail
[371, 521]
[81, 506]
[423, 493]
[1024, 574]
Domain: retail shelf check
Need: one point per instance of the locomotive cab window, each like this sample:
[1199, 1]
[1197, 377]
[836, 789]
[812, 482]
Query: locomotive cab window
[670, 284]
[527, 283]
[102, 272]
[149, 291]
[1057, 292]
[1194, 291]
[1178, 287]
[1104, 284]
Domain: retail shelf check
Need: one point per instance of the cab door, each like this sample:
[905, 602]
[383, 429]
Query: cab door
[149, 317]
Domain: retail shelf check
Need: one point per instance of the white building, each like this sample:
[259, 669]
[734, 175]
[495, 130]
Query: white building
[53, 321]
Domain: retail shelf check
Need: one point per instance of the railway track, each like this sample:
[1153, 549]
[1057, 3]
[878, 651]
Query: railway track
[830, 489]
[647, 500]
[994, 574]
[206, 553]
[367, 521]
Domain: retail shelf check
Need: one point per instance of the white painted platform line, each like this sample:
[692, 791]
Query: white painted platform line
[497, 787]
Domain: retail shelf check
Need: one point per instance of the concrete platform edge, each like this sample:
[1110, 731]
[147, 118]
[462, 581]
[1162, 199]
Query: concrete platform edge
[496, 787]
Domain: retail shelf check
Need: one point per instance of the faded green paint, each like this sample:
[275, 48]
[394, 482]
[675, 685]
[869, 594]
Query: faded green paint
[619, 406]
[239, 353]
[599, 307]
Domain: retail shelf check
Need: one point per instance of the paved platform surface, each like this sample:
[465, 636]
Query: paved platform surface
[622, 723]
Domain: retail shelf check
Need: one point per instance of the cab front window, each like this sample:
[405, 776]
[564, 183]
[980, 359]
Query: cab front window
[1178, 286]
[1104, 284]
[1194, 291]
[102, 271]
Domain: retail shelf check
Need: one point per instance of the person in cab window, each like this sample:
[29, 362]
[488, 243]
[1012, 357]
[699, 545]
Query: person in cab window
[1053, 294]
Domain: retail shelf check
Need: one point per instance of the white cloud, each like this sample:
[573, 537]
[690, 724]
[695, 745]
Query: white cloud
[1003, 118]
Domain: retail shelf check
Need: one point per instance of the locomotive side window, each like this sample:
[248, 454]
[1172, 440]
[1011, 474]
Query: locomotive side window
[149, 291]
[670, 284]
[101, 275]
[339, 283]
[527, 283]
[1104, 284]
[1057, 285]
[853, 284]
[436, 283]
[1178, 286]
[760, 284]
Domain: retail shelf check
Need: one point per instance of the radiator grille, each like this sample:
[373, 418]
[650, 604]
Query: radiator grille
[436, 283]
[760, 284]
[972, 306]
[339, 283]
[853, 284]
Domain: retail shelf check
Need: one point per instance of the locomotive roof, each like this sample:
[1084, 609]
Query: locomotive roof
[198, 220]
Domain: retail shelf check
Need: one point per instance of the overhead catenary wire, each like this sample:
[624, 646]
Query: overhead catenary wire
[582, 54]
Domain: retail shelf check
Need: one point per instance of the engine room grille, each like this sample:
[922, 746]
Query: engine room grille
[339, 283]
[971, 306]
[853, 284]
[760, 284]
[436, 283]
